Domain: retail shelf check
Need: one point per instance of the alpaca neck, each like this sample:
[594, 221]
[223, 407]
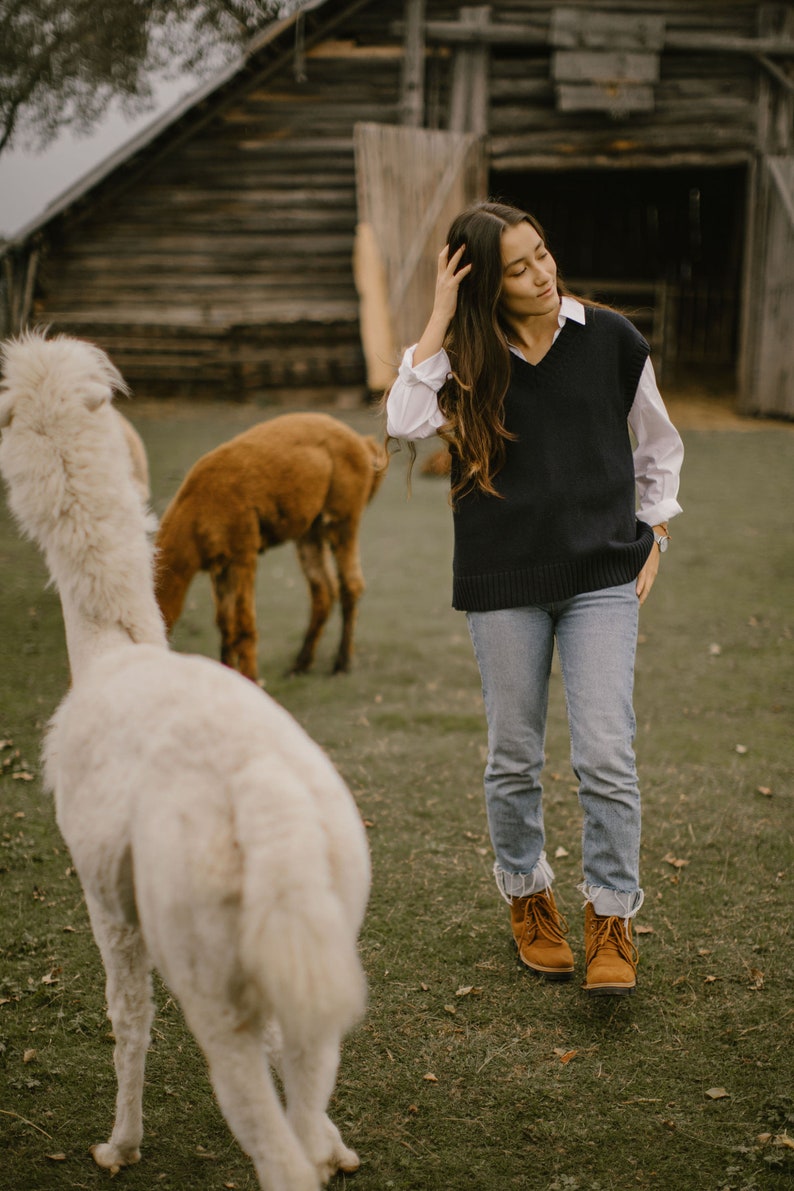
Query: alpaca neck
[87, 641]
[114, 619]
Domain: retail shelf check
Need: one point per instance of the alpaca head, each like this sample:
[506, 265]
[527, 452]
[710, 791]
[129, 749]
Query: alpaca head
[55, 419]
[32, 360]
[67, 465]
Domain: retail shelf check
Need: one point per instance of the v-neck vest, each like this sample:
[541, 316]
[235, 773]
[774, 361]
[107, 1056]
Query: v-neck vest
[564, 521]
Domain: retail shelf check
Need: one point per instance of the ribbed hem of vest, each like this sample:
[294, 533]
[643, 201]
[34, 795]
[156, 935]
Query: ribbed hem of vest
[552, 582]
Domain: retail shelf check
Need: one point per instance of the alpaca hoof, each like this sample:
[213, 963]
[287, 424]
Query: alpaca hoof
[110, 1158]
[342, 1159]
[349, 1162]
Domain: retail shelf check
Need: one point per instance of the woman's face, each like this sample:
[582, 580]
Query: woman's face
[529, 274]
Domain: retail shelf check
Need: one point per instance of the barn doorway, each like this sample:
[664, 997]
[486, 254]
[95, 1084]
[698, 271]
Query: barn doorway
[663, 245]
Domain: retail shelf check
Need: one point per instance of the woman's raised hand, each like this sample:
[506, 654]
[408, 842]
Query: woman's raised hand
[445, 303]
[448, 279]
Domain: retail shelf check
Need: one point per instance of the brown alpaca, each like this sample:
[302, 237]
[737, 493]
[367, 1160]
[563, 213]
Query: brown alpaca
[303, 477]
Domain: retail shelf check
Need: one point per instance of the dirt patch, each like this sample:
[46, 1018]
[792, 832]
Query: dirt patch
[698, 409]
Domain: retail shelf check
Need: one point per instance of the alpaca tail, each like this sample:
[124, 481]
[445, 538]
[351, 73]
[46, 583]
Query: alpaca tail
[298, 936]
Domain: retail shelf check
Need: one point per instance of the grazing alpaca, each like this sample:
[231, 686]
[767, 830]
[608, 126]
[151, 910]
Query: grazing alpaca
[303, 477]
[213, 839]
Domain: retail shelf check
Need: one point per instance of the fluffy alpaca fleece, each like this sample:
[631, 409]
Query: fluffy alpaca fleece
[214, 840]
[304, 477]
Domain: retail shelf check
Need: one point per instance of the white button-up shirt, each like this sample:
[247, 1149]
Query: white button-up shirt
[412, 412]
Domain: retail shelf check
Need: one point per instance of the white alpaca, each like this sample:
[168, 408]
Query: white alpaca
[214, 840]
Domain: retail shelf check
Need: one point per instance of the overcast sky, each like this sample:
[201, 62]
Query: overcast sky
[30, 181]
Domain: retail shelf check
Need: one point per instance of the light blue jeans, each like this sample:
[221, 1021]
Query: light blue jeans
[596, 635]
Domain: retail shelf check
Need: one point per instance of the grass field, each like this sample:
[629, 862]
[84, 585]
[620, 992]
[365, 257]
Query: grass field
[466, 1074]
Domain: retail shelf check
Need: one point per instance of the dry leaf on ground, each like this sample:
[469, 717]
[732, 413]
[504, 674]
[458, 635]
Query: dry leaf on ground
[564, 1055]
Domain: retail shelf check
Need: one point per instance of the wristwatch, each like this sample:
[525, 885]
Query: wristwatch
[662, 541]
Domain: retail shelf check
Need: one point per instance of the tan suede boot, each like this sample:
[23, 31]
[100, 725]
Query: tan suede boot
[610, 955]
[538, 929]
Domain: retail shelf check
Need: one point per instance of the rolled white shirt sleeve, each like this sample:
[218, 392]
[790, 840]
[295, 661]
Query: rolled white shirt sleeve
[412, 404]
[658, 455]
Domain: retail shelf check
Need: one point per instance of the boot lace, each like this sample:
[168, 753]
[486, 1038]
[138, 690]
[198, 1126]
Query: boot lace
[543, 918]
[611, 934]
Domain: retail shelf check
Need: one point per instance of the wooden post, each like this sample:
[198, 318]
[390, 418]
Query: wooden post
[413, 76]
[468, 106]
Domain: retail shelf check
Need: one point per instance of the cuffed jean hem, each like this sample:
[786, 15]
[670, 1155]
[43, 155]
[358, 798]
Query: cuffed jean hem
[512, 885]
[612, 903]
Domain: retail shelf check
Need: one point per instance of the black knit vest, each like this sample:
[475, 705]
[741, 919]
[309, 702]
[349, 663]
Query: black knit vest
[564, 521]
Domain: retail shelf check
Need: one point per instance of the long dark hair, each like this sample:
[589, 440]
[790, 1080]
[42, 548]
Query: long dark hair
[472, 400]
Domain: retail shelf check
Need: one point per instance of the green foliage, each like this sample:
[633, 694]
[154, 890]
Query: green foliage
[629, 1107]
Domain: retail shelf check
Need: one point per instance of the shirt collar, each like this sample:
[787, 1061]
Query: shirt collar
[570, 308]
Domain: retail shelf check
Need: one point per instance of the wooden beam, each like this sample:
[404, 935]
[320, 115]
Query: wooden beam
[469, 99]
[412, 102]
[776, 72]
[512, 33]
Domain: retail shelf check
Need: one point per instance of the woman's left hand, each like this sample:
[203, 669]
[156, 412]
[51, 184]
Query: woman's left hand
[647, 575]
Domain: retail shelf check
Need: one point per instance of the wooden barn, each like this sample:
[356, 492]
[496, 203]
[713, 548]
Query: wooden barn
[274, 236]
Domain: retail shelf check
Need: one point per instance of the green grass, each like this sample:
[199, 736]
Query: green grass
[629, 1108]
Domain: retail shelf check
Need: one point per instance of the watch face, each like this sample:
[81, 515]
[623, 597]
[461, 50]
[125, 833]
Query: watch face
[662, 543]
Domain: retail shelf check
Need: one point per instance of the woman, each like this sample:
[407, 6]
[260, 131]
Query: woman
[534, 392]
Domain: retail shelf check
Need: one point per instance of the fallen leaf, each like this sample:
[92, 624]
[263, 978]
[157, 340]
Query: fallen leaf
[757, 978]
[56, 1157]
[564, 1055]
[710, 979]
[449, 1009]
[561, 853]
[715, 650]
[50, 978]
[765, 790]
[29, 1056]
[741, 748]
[641, 929]
[430, 1077]
[783, 1139]
[368, 822]
[717, 1093]
[670, 859]
[763, 1138]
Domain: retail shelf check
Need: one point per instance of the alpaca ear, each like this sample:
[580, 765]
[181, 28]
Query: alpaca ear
[6, 412]
[96, 394]
[109, 373]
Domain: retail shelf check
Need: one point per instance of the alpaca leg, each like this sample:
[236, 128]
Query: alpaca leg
[351, 583]
[129, 997]
[235, 615]
[315, 563]
[248, 1100]
[309, 1076]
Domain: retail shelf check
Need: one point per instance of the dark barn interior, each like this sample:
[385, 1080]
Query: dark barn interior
[665, 246]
